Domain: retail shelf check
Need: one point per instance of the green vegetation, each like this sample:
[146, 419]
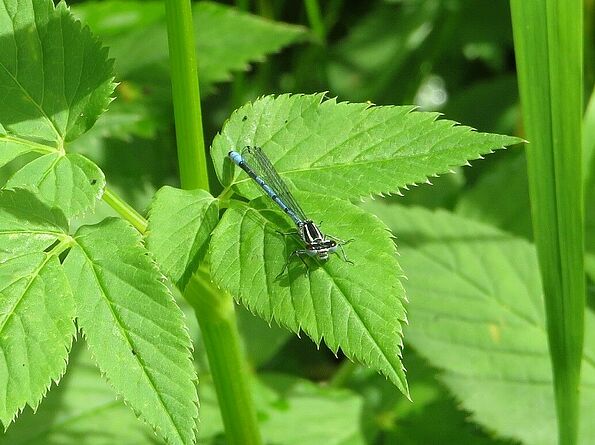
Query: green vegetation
[145, 291]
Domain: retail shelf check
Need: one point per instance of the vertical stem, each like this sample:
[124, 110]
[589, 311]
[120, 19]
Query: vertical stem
[548, 37]
[186, 95]
[216, 316]
[214, 308]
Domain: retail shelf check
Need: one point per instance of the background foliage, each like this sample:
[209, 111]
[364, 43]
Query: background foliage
[475, 346]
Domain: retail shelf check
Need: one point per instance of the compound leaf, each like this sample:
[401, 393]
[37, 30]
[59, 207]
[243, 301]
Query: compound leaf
[357, 308]
[344, 149]
[476, 312]
[180, 224]
[133, 327]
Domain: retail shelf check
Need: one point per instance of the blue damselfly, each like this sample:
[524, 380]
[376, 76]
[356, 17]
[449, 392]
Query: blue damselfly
[258, 166]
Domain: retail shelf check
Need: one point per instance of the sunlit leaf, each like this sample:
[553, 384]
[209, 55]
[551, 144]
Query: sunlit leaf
[180, 224]
[70, 182]
[36, 307]
[55, 81]
[357, 308]
[347, 150]
[133, 327]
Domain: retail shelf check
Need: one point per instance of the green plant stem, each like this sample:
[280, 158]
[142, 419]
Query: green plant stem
[548, 36]
[315, 19]
[192, 159]
[125, 210]
[216, 315]
[214, 308]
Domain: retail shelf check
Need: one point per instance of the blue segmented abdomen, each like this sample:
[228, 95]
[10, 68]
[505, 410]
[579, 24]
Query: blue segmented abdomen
[239, 160]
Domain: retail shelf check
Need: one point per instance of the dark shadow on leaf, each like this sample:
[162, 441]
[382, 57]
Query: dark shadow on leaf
[25, 205]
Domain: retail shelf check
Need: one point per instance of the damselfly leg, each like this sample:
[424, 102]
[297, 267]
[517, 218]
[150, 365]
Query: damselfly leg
[299, 254]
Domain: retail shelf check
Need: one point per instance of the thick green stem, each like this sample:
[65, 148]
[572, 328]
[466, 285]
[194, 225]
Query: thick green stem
[216, 315]
[125, 210]
[186, 95]
[214, 308]
[548, 37]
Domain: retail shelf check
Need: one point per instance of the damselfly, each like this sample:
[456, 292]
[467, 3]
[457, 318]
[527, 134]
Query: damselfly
[256, 164]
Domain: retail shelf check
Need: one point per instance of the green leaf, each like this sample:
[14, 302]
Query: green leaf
[226, 40]
[36, 307]
[292, 411]
[70, 182]
[500, 197]
[180, 224]
[392, 419]
[476, 312]
[301, 413]
[83, 409]
[358, 308]
[55, 79]
[347, 150]
[133, 327]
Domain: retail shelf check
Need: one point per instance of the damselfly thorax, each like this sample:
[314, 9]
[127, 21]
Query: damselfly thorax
[258, 167]
[316, 243]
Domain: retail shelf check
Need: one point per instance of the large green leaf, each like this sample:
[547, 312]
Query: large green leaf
[133, 327]
[55, 80]
[347, 150]
[36, 307]
[357, 308]
[227, 40]
[82, 410]
[180, 224]
[476, 312]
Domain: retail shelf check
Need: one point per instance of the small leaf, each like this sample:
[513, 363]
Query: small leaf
[55, 79]
[180, 224]
[476, 312]
[36, 307]
[133, 327]
[348, 150]
[358, 308]
[70, 182]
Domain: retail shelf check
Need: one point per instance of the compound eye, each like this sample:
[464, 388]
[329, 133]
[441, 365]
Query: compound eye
[333, 243]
